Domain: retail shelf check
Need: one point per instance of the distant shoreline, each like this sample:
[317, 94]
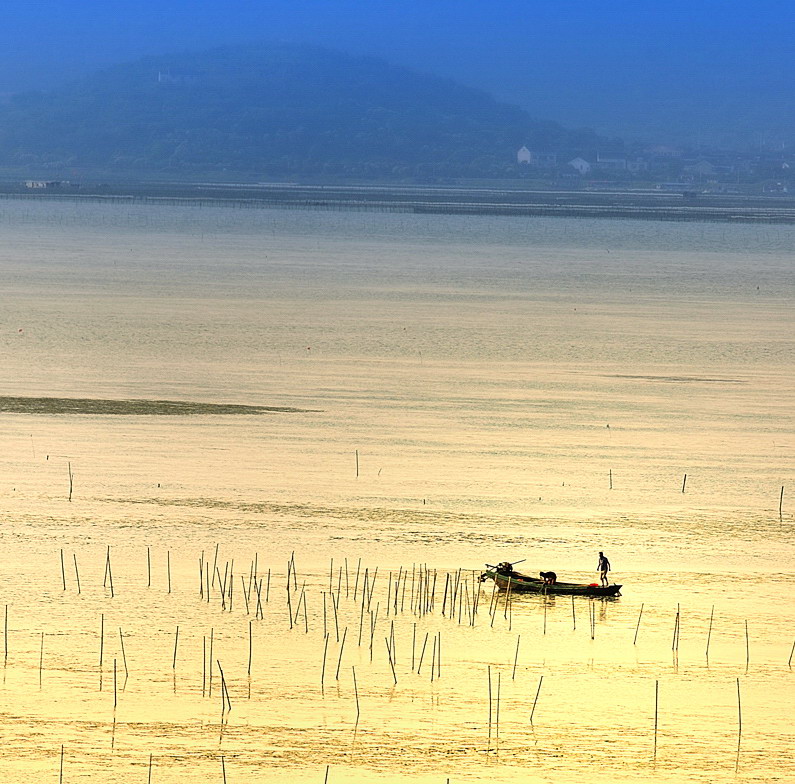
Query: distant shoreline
[658, 205]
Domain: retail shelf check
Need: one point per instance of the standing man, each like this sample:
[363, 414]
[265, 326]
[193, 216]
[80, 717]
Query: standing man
[603, 567]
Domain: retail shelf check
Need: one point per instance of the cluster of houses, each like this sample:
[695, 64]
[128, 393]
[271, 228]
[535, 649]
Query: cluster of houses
[663, 164]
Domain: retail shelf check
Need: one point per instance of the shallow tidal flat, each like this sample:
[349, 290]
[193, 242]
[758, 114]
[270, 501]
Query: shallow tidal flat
[380, 404]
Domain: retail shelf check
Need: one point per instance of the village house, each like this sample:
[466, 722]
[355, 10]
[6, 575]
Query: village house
[580, 165]
[45, 184]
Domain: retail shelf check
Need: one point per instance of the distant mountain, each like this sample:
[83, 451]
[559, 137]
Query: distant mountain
[274, 110]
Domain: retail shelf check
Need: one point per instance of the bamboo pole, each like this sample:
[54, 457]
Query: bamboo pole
[538, 691]
[210, 667]
[497, 723]
[63, 571]
[342, 648]
[176, 642]
[422, 653]
[356, 692]
[656, 705]
[77, 573]
[490, 703]
[516, 657]
[101, 639]
[323, 667]
[215, 563]
[250, 645]
[123, 654]
[391, 663]
[709, 631]
[675, 640]
[640, 615]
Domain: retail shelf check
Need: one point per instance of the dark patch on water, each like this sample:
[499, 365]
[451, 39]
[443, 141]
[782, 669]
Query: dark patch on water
[67, 405]
[680, 379]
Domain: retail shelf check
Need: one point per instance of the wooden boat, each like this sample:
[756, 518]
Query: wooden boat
[504, 575]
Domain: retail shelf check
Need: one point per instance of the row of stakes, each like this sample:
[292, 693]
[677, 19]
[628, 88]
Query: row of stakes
[458, 603]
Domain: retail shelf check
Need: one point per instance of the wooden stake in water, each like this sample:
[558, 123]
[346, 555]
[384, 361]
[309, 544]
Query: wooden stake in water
[123, 654]
[342, 648]
[63, 571]
[41, 657]
[538, 691]
[148, 568]
[739, 711]
[640, 615]
[101, 639]
[60, 772]
[656, 703]
[149, 780]
[356, 692]
[168, 568]
[747, 647]
[709, 631]
[77, 573]
[516, 657]
[497, 723]
[323, 667]
[490, 702]
[210, 667]
[69, 468]
[357, 463]
[109, 572]
[5, 638]
[675, 640]
[781, 503]
[789, 662]
[176, 642]
[250, 645]
[684, 482]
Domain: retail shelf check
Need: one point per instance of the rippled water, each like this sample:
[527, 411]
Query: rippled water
[504, 388]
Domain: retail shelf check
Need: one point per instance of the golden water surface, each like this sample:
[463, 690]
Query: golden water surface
[381, 404]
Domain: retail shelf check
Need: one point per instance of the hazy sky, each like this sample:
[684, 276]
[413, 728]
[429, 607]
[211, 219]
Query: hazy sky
[651, 69]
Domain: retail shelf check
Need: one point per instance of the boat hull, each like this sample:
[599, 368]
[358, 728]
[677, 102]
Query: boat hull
[523, 584]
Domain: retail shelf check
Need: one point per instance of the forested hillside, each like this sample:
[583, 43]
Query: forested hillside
[272, 110]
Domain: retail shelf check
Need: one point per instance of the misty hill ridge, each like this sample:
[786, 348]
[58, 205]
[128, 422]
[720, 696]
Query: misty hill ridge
[274, 109]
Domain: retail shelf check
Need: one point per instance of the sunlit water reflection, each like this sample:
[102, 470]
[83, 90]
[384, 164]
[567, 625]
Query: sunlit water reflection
[503, 388]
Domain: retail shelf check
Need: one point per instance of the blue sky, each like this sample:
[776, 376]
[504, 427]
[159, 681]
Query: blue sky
[653, 70]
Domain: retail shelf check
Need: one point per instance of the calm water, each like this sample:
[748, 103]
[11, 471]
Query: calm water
[515, 389]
